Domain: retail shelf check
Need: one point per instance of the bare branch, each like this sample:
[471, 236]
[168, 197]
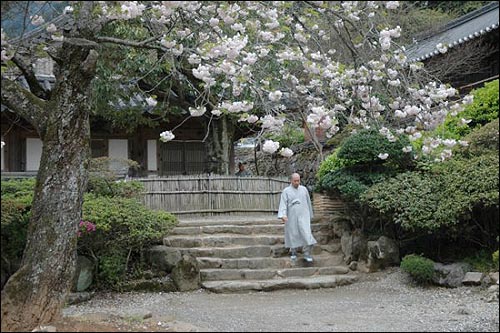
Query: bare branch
[142, 45]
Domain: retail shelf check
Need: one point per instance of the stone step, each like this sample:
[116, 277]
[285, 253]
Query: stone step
[324, 260]
[208, 221]
[250, 251]
[242, 229]
[230, 251]
[212, 274]
[314, 282]
[221, 240]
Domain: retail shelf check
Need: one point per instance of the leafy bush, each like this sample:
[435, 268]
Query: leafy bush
[351, 183]
[494, 256]
[17, 196]
[421, 269]
[483, 261]
[483, 110]
[331, 163]
[107, 186]
[355, 165]
[123, 228]
[481, 141]
[443, 197]
[290, 135]
[363, 148]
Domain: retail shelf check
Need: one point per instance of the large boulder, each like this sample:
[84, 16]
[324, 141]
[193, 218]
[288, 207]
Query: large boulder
[84, 274]
[163, 258]
[382, 253]
[186, 274]
[450, 275]
[354, 246]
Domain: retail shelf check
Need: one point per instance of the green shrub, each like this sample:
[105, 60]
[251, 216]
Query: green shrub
[331, 163]
[421, 269]
[494, 256]
[108, 186]
[481, 111]
[290, 135]
[363, 148]
[481, 141]
[17, 196]
[483, 261]
[351, 183]
[124, 227]
[355, 166]
[20, 190]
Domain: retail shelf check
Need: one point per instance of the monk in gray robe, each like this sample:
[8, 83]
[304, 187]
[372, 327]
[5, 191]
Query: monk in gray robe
[296, 212]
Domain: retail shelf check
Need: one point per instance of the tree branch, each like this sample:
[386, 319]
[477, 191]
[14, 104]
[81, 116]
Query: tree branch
[24, 103]
[143, 44]
[30, 77]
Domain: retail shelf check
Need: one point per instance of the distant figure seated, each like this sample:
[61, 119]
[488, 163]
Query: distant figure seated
[241, 171]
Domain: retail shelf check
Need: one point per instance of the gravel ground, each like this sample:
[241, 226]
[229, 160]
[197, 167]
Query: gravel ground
[385, 301]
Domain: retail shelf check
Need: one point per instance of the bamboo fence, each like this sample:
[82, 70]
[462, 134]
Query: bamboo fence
[213, 194]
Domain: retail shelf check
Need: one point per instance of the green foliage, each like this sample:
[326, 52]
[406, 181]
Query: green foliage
[123, 228]
[481, 141]
[443, 197]
[103, 186]
[17, 196]
[331, 163]
[494, 256]
[351, 183]
[290, 135]
[21, 190]
[355, 165]
[421, 269]
[483, 110]
[483, 261]
[363, 148]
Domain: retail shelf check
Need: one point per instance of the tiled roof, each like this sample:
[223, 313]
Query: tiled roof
[465, 28]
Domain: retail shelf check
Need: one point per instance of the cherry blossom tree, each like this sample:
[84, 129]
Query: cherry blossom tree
[261, 64]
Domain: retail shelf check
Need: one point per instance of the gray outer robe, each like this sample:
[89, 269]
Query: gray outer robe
[296, 205]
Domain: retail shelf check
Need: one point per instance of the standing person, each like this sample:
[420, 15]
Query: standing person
[296, 212]
[241, 170]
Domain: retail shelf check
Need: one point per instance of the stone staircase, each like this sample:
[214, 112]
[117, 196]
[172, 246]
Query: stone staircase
[240, 254]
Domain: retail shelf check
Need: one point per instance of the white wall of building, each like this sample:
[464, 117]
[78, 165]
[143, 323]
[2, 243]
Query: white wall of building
[152, 162]
[33, 154]
[118, 149]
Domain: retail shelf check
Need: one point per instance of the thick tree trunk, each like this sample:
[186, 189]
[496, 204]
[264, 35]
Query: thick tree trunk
[36, 293]
[219, 146]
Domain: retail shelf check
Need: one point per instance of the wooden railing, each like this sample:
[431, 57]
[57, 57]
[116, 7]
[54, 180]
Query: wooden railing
[213, 194]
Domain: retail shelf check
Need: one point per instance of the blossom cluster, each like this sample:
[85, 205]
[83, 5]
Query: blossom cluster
[264, 63]
[85, 227]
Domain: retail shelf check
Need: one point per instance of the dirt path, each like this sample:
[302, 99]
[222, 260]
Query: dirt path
[384, 301]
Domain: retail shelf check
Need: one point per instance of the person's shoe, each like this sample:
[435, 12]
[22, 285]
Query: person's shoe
[308, 258]
[293, 257]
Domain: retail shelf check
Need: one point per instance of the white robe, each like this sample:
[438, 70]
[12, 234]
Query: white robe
[296, 205]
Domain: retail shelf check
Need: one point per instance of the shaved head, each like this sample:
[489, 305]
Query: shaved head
[295, 179]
